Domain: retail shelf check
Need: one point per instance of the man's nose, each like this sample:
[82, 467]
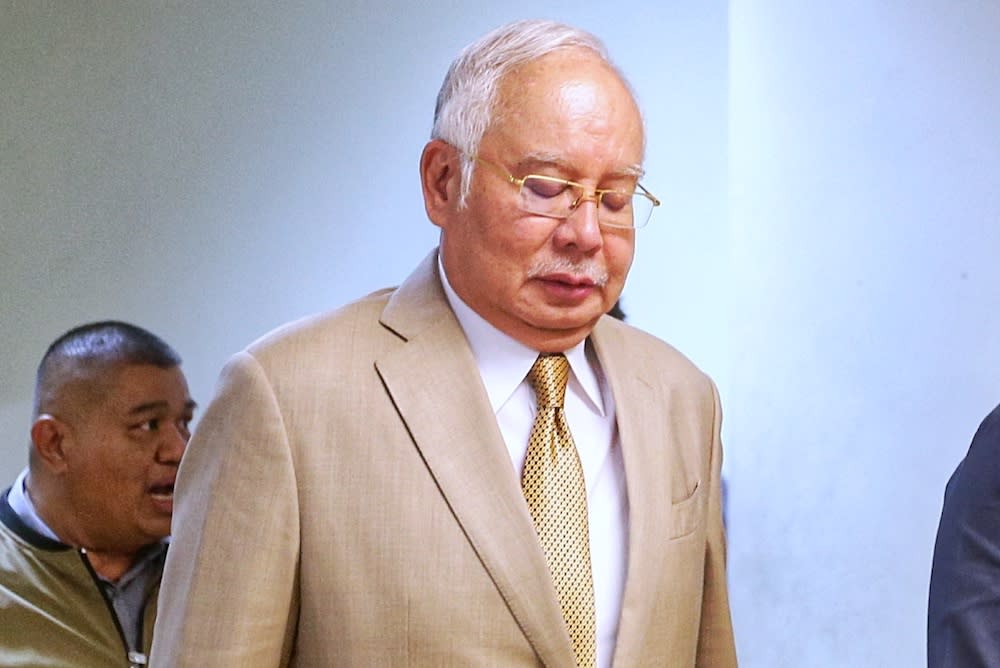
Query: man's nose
[174, 440]
[583, 222]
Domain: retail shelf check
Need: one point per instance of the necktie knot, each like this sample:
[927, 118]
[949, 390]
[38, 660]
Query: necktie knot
[548, 377]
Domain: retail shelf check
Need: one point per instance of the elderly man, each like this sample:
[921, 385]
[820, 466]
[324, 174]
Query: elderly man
[380, 486]
[82, 529]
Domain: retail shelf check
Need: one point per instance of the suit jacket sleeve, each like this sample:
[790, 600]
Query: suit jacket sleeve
[716, 647]
[963, 621]
[236, 535]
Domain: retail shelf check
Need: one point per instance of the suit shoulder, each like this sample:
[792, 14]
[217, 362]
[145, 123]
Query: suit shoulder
[978, 474]
[647, 350]
[318, 332]
[626, 352]
[990, 427]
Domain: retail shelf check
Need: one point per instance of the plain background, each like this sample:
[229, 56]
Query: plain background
[827, 248]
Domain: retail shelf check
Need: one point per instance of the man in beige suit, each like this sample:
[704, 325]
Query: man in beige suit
[353, 495]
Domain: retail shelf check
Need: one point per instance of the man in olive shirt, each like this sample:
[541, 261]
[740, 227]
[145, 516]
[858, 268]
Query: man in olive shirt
[83, 528]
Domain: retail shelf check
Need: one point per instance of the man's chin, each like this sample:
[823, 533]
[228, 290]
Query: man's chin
[156, 528]
[567, 320]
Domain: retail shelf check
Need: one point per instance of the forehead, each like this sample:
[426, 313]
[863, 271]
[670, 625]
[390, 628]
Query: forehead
[565, 102]
[131, 386]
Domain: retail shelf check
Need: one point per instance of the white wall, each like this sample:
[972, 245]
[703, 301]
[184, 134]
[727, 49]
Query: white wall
[865, 226]
[211, 170]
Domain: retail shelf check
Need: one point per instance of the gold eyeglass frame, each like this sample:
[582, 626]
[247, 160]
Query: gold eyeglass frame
[596, 193]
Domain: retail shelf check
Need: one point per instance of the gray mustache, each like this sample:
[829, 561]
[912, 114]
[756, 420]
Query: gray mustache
[564, 266]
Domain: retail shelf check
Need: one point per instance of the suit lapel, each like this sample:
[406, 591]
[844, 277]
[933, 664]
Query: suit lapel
[643, 449]
[434, 370]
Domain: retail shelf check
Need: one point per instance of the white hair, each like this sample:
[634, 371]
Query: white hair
[468, 97]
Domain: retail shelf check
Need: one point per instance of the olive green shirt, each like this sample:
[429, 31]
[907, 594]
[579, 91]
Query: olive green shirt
[54, 611]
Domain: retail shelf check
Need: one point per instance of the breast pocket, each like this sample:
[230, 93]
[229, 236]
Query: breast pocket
[688, 513]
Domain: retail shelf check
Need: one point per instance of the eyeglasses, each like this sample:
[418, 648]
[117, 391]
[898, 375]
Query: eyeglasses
[558, 198]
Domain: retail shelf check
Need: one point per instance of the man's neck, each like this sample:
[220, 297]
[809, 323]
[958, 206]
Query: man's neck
[110, 565]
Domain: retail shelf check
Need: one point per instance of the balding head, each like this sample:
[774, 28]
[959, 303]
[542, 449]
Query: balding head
[75, 369]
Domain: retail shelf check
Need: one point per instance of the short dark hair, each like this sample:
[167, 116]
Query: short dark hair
[94, 347]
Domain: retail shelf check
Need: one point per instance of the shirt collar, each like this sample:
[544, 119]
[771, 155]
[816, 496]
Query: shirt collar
[504, 362]
[21, 504]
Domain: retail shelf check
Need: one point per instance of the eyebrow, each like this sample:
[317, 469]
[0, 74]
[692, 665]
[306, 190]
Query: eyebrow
[189, 405]
[553, 160]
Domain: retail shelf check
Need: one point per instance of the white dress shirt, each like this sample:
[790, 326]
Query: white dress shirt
[590, 411]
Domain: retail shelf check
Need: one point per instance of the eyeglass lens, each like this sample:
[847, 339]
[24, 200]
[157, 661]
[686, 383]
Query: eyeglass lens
[558, 199]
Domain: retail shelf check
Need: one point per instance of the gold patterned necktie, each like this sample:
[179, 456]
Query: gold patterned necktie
[554, 488]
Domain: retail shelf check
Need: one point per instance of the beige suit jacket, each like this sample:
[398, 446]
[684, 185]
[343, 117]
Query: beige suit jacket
[347, 500]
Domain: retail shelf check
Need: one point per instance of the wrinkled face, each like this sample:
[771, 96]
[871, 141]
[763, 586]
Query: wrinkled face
[122, 456]
[546, 281]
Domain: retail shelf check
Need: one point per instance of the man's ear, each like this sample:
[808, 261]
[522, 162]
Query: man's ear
[440, 177]
[48, 438]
